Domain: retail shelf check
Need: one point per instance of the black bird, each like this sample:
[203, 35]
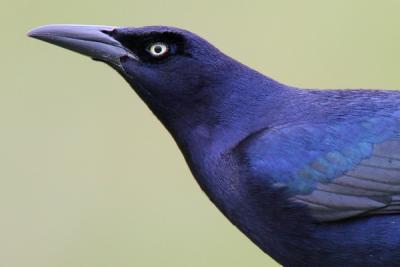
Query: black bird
[310, 176]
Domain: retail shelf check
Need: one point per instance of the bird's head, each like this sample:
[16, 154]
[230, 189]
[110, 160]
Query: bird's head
[173, 70]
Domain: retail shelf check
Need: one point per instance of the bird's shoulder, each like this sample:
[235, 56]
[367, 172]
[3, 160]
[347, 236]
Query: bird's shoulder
[336, 169]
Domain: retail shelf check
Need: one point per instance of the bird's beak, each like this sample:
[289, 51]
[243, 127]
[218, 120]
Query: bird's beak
[92, 41]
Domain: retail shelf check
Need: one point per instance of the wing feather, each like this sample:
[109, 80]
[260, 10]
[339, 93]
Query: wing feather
[372, 187]
[336, 171]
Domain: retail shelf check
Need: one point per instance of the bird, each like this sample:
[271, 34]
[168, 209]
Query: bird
[311, 176]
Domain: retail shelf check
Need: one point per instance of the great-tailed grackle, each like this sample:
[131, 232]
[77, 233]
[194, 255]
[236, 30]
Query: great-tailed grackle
[311, 176]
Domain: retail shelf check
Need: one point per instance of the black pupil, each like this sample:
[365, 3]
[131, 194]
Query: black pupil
[158, 49]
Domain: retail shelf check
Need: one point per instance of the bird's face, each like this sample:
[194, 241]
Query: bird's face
[168, 67]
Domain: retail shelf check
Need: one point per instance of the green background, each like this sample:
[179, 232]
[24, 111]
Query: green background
[89, 177]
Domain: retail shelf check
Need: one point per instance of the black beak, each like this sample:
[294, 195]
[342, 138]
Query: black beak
[92, 41]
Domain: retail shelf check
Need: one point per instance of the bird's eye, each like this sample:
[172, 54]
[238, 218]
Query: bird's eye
[158, 49]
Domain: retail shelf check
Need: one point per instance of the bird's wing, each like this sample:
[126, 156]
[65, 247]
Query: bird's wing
[337, 171]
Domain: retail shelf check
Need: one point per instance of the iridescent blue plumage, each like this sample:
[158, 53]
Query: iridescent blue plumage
[311, 176]
[315, 162]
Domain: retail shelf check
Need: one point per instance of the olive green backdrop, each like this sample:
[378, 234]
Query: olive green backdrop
[88, 176]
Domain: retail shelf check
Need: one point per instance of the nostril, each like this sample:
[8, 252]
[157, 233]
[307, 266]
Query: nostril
[110, 32]
[128, 57]
[124, 58]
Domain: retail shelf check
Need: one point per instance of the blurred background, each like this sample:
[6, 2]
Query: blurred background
[89, 177]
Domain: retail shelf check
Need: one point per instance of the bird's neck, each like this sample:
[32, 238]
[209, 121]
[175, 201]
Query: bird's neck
[248, 103]
[244, 103]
